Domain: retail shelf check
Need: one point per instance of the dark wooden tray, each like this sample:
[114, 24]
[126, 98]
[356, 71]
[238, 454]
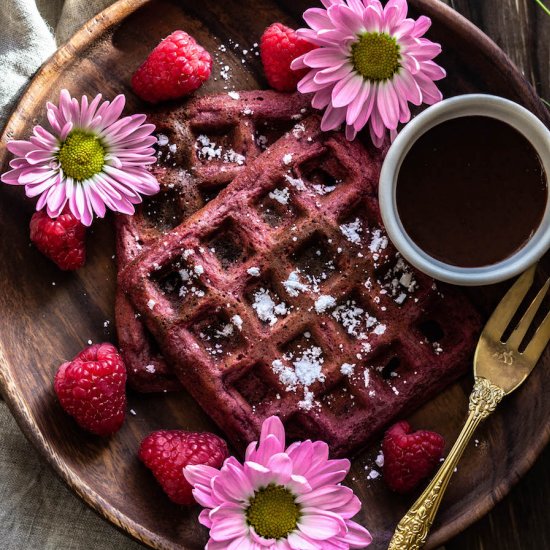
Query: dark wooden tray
[47, 316]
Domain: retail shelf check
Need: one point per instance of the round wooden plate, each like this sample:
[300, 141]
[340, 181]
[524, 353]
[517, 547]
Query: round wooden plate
[47, 316]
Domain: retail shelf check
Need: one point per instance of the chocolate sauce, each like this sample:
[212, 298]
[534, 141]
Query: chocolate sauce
[471, 191]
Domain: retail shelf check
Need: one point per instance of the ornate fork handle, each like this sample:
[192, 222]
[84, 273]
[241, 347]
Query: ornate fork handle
[412, 531]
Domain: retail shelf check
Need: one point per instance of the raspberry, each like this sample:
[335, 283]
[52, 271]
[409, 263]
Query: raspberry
[91, 388]
[166, 453]
[409, 457]
[279, 46]
[175, 68]
[61, 239]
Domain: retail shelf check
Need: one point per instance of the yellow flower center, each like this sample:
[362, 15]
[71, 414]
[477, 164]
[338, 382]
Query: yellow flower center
[81, 155]
[272, 512]
[375, 55]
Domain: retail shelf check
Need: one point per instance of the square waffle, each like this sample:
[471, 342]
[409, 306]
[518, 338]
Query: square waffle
[202, 146]
[283, 296]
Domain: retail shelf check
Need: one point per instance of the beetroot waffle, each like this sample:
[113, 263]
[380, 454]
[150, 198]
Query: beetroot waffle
[283, 296]
[202, 146]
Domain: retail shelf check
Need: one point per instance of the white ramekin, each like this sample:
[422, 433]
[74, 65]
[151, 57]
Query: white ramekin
[466, 105]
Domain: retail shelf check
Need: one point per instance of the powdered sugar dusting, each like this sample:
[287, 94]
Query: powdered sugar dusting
[352, 231]
[301, 372]
[266, 308]
[294, 285]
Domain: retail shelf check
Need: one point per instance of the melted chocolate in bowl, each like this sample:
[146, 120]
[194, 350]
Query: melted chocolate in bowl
[471, 191]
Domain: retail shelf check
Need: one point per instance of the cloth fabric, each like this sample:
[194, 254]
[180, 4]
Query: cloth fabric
[31, 31]
[37, 510]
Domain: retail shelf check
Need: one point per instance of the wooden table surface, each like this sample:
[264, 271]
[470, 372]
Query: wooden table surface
[520, 521]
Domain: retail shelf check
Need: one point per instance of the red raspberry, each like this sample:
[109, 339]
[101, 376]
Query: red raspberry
[279, 46]
[91, 388]
[409, 457]
[61, 239]
[166, 453]
[175, 68]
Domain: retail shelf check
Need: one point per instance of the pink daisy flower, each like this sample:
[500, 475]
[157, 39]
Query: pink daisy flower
[279, 499]
[91, 159]
[371, 62]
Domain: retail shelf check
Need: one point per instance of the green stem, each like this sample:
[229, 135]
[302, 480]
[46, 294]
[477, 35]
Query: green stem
[539, 2]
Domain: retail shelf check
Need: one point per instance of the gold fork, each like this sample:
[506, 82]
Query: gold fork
[499, 368]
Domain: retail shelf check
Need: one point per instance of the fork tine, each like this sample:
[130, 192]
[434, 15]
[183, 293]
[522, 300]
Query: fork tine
[536, 346]
[519, 332]
[508, 306]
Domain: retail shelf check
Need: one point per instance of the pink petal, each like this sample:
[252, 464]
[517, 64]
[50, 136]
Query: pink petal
[357, 6]
[281, 466]
[357, 536]
[333, 74]
[332, 118]
[87, 214]
[236, 484]
[53, 119]
[298, 541]
[301, 454]
[312, 36]
[41, 202]
[228, 522]
[246, 545]
[321, 98]
[350, 132]
[430, 92]
[407, 87]
[46, 137]
[204, 518]
[345, 91]
[307, 84]
[11, 177]
[316, 18]
[298, 485]
[323, 57]
[425, 49]
[241, 543]
[403, 28]
[331, 497]
[56, 199]
[259, 475]
[344, 16]
[390, 18]
[204, 497]
[65, 107]
[20, 147]
[39, 156]
[260, 541]
[35, 190]
[298, 63]
[96, 203]
[319, 524]
[432, 70]
[65, 130]
[422, 24]
[327, 478]
[113, 110]
[378, 141]
[372, 19]
[273, 426]
[200, 474]
[388, 105]
[360, 104]
[400, 6]
[35, 174]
